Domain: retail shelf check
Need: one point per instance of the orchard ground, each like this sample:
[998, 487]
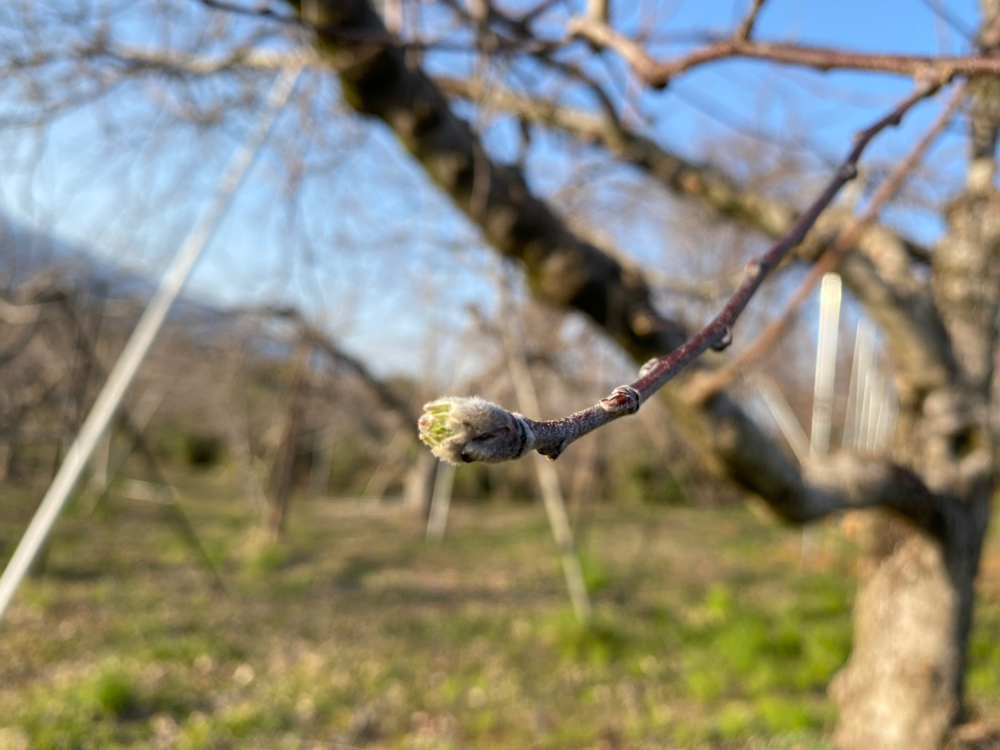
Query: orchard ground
[710, 629]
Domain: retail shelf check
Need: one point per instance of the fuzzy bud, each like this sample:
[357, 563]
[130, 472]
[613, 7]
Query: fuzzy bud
[462, 430]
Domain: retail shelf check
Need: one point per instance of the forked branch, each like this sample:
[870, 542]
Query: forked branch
[462, 430]
[658, 73]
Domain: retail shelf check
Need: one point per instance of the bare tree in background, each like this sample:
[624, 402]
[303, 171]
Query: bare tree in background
[556, 67]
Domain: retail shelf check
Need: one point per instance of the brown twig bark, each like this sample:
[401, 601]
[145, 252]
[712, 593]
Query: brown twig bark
[707, 384]
[477, 431]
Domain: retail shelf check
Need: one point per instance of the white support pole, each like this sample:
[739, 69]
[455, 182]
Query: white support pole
[877, 386]
[830, 295]
[548, 479]
[437, 521]
[854, 388]
[869, 406]
[139, 343]
[782, 412]
[886, 418]
[826, 363]
[864, 356]
[140, 418]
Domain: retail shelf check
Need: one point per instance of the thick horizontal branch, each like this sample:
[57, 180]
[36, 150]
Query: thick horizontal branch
[847, 481]
[658, 73]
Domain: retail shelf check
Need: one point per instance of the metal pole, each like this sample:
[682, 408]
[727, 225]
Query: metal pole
[851, 416]
[783, 414]
[444, 482]
[826, 363]
[138, 345]
[826, 367]
[865, 355]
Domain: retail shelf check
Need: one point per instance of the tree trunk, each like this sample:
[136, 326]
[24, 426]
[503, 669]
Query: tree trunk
[898, 688]
[283, 473]
[903, 686]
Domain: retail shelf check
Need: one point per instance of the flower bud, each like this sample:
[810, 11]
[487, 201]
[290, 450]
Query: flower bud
[462, 430]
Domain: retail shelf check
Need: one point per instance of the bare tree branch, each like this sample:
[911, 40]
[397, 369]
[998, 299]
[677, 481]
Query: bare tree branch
[658, 73]
[137, 59]
[313, 336]
[707, 384]
[465, 430]
[879, 274]
[848, 481]
[746, 28]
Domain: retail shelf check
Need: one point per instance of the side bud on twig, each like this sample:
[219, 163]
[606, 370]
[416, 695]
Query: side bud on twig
[461, 430]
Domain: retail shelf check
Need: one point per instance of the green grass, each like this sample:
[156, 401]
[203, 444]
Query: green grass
[354, 631]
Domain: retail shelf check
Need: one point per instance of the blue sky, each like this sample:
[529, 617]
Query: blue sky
[367, 245]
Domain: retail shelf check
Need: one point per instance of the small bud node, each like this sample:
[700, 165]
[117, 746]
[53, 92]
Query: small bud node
[623, 400]
[724, 339]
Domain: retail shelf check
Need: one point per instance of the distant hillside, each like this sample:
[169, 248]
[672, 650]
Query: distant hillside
[26, 252]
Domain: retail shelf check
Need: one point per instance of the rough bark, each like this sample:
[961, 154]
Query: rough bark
[897, 690]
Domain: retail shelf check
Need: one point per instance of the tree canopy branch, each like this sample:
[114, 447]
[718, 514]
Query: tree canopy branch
[659, 73]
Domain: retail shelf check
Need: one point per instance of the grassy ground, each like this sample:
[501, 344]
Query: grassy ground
[355, 633]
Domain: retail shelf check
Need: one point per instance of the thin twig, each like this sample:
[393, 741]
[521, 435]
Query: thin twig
[465, 430]
[710, 383]
[941, 11]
